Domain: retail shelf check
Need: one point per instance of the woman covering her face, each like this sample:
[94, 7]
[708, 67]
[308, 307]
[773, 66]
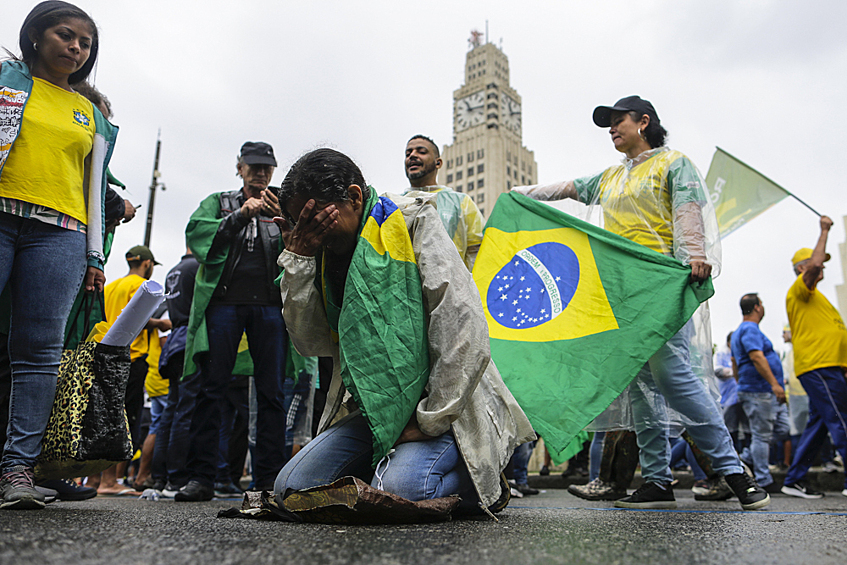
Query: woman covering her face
[428, 414]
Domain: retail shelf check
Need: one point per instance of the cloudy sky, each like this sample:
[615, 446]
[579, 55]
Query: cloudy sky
[763, 79]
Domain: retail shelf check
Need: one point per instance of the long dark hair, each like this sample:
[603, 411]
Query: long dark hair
[654, 133]
[323, 174]
[48, 14]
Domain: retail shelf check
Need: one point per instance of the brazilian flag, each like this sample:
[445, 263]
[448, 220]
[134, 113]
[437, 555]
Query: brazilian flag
[574, 312]
[381, 324]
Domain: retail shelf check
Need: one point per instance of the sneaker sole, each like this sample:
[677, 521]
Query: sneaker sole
[799, 493]
[707, 498]
[756, 505]
[26, 503]
[657, 505]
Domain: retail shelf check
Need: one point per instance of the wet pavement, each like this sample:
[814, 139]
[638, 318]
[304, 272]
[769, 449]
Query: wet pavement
[552, 527]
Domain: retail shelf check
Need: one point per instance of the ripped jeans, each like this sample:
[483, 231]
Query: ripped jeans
[418, 470]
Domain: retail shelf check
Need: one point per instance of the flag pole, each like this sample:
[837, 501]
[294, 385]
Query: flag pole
[804, 204]
[789, 193]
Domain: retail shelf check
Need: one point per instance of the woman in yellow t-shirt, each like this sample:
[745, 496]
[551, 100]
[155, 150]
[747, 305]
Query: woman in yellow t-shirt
[657, 198]
[44, 220]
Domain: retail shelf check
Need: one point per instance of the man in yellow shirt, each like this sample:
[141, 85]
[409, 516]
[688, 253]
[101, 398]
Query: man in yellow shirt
[820, 360]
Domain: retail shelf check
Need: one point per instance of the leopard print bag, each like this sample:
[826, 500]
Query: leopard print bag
[87, 431]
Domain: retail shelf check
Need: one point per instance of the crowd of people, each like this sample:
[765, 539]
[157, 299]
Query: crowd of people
[275, 319]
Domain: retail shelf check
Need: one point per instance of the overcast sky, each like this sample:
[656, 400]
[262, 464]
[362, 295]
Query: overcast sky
[763, 79]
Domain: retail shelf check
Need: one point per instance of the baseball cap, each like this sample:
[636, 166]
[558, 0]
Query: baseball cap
[258, 153]
[141, 253]
[603, 114]
[805, 253]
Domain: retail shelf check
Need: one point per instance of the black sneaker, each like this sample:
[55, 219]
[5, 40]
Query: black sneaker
[194, 491]
[773, 488]
[67, 489]
[18, 491]
[170, 490]
[651, 496]
[524, 488]
[749, 493]
[227, 490]
[545, 470]
[801, 490]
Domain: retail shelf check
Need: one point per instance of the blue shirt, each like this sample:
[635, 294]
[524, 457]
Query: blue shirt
[727, 387]
[748, 337]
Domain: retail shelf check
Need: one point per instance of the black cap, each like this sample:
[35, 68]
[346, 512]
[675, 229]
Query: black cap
[141, 253]
[603, 114]
[258, 153]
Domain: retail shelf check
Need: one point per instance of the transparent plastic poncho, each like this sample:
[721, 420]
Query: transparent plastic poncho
[660, 200]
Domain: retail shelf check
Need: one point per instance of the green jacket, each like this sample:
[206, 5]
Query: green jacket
[210, 233]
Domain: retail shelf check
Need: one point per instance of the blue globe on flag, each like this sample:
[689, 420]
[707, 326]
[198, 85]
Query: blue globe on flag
[534, 287]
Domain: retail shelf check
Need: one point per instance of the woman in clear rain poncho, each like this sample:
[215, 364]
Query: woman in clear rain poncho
[657, 198]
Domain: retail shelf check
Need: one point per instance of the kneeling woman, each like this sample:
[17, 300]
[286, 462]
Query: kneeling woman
[395, 307]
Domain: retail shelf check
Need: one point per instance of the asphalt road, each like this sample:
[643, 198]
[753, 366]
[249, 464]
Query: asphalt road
[553, 527]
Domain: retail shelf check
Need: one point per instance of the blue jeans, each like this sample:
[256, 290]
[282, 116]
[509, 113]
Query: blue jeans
[157, 408]
[680, 450]
[182, 401]
[418, 470]
[235, 405]
[669, 372]
[595, 455]
[44, 266]
[520, 462]
[267, 337]
[760, 408]
[827, 391]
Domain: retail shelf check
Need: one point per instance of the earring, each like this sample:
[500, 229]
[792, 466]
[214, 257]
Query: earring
[35, 46]
[641, 135]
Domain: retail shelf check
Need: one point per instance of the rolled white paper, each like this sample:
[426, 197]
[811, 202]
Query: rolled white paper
[135, 315]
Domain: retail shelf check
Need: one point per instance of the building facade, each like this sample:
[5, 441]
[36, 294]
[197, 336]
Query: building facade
[841, 289]
[487, 156]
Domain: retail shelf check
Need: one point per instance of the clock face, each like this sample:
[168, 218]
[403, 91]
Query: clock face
[510, 113]
[470, 111]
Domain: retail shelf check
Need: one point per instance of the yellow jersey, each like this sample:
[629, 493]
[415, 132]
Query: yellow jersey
[117, 295]
[817, 330]
[47, 164]
[639, 202]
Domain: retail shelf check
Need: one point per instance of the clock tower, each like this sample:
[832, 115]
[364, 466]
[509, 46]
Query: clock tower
[487, 157]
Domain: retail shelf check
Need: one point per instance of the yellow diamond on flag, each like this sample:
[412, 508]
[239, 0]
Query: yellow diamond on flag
[542, 285]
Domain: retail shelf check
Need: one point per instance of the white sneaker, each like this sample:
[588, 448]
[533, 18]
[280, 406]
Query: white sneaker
[844, 492]
[829, 467]
[801, 490]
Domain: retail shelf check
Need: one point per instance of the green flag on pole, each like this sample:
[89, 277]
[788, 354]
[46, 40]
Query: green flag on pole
[574, 312]
[739, 192]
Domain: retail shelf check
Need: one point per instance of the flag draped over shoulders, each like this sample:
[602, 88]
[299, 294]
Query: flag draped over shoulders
[574, 312]
[381, 324]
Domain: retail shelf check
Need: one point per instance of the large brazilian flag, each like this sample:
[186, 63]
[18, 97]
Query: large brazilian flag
[574, 312]
[381, 324]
